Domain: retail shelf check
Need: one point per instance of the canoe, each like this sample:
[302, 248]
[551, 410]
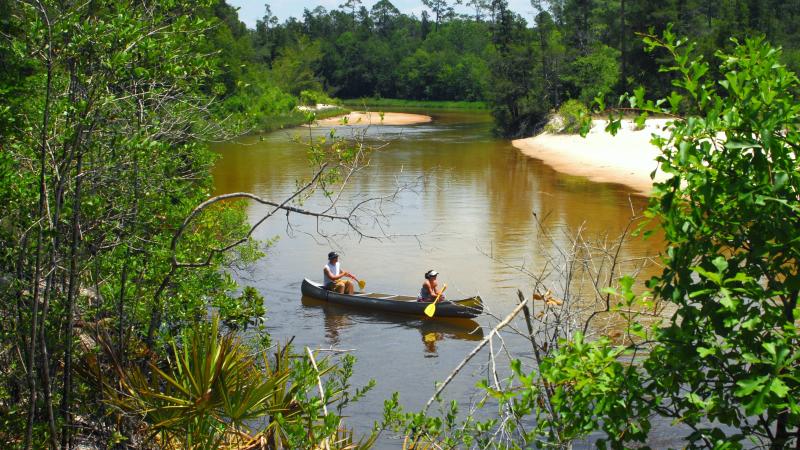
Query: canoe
[468, 308]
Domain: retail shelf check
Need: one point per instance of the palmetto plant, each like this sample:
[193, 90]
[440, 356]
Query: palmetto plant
[207, 393]
[212, 392]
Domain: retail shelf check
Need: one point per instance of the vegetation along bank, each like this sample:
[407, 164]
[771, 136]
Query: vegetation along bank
[120, 322]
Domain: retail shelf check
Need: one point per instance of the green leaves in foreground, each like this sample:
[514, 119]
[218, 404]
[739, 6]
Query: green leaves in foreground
[214, 393]
[728, 209]
[589, 378]
[207, 392]
[724, 364]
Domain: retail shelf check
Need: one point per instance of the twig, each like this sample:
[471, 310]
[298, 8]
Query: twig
[321, 393]
[472, 354]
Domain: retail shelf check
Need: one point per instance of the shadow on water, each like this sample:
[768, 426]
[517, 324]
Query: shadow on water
[338, 318]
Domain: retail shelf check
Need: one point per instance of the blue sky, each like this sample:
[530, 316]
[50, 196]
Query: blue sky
[252, 10]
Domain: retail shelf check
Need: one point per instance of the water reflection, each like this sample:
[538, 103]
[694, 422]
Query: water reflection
[479, 196]
[338, 318]
[474, 214]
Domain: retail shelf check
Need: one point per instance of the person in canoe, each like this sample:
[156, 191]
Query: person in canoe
[430, 288]
[334, 276]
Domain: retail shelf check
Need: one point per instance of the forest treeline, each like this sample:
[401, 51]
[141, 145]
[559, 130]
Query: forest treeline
[522, 66]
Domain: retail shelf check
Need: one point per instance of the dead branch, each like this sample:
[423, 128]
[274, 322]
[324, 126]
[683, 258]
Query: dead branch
[474, 352]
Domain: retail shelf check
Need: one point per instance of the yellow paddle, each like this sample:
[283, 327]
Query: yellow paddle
[361, 283]
[430, 309]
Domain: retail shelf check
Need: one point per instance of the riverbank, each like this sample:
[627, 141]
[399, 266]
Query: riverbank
[627, 158]
[376, 118]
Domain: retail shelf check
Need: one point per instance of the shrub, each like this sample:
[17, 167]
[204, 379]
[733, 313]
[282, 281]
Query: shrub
[568, 119]
[310, 97]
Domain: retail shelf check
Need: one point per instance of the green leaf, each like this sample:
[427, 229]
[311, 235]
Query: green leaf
[720, 263]
[748, 386]
[705, 352]
[779, 388]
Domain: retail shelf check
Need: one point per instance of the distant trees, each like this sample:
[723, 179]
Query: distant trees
[517, 92]
[479, 6]
[384, 14]
[573, 49]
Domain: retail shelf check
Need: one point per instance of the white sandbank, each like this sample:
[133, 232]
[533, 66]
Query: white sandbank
[374, 118]
[627, 158]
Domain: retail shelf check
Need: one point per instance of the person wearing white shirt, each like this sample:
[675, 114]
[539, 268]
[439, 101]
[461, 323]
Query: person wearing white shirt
[334, 276]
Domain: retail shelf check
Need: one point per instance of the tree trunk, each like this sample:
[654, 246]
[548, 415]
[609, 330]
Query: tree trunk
[622, 37]
[37, 273]
[73, 289]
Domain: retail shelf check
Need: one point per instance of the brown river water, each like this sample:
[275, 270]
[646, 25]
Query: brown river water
[472, 217]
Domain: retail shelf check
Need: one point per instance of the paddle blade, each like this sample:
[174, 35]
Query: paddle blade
[430, 309]
[361, 284]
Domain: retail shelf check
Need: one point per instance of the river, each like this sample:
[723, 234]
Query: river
[473, 214]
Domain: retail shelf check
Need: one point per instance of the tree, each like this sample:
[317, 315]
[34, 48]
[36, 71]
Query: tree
[595, 74]
[730, 214]
[106, 96]
[552, 53]
[384, 14]
[440, 10]
[517, 97]
[425, 24]
[263, 39]
[479, 6]
[295, 68]
[726, 361]
[352, 5]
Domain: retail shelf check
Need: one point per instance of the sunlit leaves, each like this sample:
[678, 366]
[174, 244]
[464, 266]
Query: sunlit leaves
[733, 255]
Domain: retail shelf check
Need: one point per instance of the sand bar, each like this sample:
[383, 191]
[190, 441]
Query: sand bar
[627, 158]
[374, 118]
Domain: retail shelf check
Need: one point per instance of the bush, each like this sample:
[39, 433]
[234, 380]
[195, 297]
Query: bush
[310, 97]
[568, 119]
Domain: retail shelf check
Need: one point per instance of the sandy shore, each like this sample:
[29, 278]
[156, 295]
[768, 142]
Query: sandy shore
[374, 118]
[627, 158]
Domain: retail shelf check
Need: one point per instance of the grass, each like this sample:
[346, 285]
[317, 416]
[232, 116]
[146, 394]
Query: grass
[403, 103]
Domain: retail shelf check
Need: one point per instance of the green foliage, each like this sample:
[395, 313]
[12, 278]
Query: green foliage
[595, 74]
[403, 103]
[207, 394]
[591, 390]
[731, 269]
[308, 97]
[423, 431]
[728, 354]
[244, 311]
[569, 118]
[294, 70]
[133, 95]
[517, 96]
[214, 393]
